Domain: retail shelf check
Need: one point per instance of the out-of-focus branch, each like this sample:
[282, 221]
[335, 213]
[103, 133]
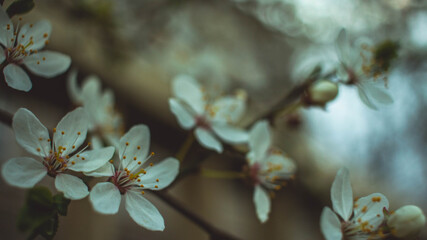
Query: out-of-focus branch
[214, 233]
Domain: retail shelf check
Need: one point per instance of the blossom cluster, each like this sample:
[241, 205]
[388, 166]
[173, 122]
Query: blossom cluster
[91, 142]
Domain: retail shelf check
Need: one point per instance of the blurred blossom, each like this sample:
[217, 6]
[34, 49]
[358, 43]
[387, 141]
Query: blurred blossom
[211, 118]
[269, 168]
[417, 25]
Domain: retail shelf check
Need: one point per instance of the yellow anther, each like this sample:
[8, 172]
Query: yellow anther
[77, 155]
[74, 146]
[142, 185]
[31, 25]
[364, 209]
[23, 36]
[156, 186]
[73, 162]
[46, 42]
[45, 35]
[83, 158]
[44, 59]
[78, 133]
[62, 132]
[54, 130]
[134, 158]
[151, 164]
[157, 180]
[138, 147]
[124, 157]
[38, 149]
[38, 62]
[152, 153]
[40, 139]
[111, 161]
[376, 199]
[139, 180]
[127, 143]
[139, 162]
[142, 192]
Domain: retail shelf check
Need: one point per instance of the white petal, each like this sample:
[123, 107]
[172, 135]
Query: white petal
[105, 198]
[38, 32]
[73, 89]
[134, 144]
[376, 91]
[227, 109]
[17, 78]
[207, 140]
[165, 171]
[284, 167]
[107, 170]
[71, 131]
[143, 212]
[2, 55]
[330, 225]
[185, 118]
[230, 134]
[365, 98]
[342, 194]
[94, 159]
[188, 90]
[260, 139]
[262, 203]
[370, 209]
[23, 172]
[30, 133]
[72, 187]
[343, 47]
[5, 34]
[47, 63]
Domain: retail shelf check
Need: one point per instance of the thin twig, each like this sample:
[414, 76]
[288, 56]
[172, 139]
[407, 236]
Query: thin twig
[214, 233]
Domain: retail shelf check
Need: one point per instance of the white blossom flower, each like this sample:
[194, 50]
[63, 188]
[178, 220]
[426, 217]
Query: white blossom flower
[104, 121]
[56, 156]
[132, 177]
[269, 168]
[211, 119]
[21, 47]
[362, 71]
[359, 219]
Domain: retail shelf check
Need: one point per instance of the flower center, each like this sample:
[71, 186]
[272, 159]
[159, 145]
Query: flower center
[56, 163]
[202, 122]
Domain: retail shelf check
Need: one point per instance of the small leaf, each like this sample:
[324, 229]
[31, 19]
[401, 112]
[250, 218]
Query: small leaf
[61, 204]
[40, 198]
[20, 7]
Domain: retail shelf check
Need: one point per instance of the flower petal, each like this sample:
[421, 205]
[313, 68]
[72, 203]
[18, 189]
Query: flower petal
[23, 172]
[185, 118]
[74, 92]
[6, 29]
[107, 170]
[72, 187]
[47, 63]
[30, 133]
[134, 146]
[143, 212]
[105, 198]
[343, 47]
[2, 55]
[34, 35]
[207, 140]
[93, 159]
[376, 91]
[227, 109]
[365, 97]
[71, 131]
[230, 134]
[342, 194]
[369, 210]
[262, 203]
[17, 78]
[330, 225]
[260, 139]
[165, 172]
[282, 166]
[188, 90]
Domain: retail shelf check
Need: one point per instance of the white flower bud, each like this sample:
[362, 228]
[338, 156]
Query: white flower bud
[321, 92]
[406, 221]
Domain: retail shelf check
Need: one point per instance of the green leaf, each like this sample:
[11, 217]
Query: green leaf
[40, 198]
[61, 204]
[20, 7]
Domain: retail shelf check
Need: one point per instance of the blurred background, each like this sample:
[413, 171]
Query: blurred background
[266, 47]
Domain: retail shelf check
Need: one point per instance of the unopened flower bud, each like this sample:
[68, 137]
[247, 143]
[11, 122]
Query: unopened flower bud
[407, 221]
[320, 93]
